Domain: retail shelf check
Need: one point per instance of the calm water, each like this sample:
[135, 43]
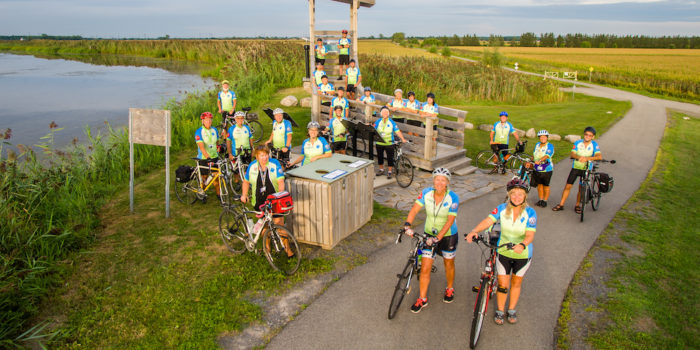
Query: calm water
[36, 91]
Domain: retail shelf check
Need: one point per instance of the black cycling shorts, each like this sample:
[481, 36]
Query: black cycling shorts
[541, 178]
[505, 266]
[204, 163]
[321, 60]
[350, 88]
[344, 59]
[339, 146]
[573, 174]
[447, 248]
[496, 147]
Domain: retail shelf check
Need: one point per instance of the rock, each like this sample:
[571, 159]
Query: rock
[531, 133]
[554, 137]
[520, 133]
[572, 138]
[306, 102]
[289, 101]
[486, 127]
[468, 126]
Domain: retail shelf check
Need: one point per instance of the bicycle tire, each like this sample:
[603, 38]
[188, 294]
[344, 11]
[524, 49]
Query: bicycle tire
[483, 159]
[186, 192]
[232, 227]
[275, 252]
[402, 288]
[480, 308]
[404, 172]
[514, 163]
[584, 199]
[595, 194]
[256, 130]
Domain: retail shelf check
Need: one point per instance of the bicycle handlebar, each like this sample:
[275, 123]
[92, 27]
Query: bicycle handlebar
[483, 240]
[422, 236]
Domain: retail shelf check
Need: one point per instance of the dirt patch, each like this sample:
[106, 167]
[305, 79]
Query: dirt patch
[168, 238]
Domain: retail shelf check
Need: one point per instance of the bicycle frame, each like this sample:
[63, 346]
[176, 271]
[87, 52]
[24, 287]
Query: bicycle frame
[268, 220]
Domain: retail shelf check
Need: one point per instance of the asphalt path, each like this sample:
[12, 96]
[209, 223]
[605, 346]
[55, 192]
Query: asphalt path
[352, 313]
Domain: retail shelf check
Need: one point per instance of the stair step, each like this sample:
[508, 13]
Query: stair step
[446, 157]
[457, 164]
[466, 170]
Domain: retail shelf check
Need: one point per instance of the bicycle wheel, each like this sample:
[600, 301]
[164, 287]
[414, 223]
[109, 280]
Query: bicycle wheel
[186, 192]
[484, 160]
[403, 287]
[232, 227]
[584, 199]
[595, 194]
[482, 301]
[256, 130]
[277, 245]
[514, 163]
[404, 172]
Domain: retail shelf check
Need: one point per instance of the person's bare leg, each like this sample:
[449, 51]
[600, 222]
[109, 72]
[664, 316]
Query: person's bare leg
[425, 276]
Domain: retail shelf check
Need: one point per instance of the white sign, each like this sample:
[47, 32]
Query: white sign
[335, 174]
[357, 164]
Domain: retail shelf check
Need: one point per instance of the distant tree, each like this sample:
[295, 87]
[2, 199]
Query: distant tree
[586, 44]
[381, 36]
[528, 39]
[398, 37]
[547, 40]
[496, 40]
[454, 41]
[560, 41]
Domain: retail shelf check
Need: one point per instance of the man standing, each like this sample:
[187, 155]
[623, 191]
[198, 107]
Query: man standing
[354, 78]
[343, 54]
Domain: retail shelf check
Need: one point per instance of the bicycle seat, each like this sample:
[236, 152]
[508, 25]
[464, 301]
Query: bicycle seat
[236, 197]
[246, 109]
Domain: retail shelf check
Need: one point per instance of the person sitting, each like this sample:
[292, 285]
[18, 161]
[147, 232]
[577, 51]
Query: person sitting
[368, 97]
[325, 87]
[314, 147]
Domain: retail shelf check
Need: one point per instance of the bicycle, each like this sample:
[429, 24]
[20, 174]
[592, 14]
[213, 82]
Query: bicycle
[590, 186]
[506, 162]
[251, 119]
[488, 282]
[190, 189]
[413, 267]
[240, 234]
[402, 166]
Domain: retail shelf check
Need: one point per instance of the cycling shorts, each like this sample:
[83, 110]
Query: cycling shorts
[541, 178]
[339, 146]
[573, 174]
[344, 60]
[351, 88]
[204, 163]
[505, 266]
[447, 248]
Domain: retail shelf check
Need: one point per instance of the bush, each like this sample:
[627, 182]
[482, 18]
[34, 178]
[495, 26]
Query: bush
[446, 51]
[433, 49]
[492, 58]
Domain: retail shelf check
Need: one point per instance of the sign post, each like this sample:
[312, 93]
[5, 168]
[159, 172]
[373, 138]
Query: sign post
[590, 74]
[149, 127]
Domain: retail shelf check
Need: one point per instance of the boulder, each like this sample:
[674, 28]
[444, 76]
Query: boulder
[486, 127]
[531, 133]
[306, 102]
[554, 137]
[520, 133]
[572, 138]
[289, 101]
[468, 126]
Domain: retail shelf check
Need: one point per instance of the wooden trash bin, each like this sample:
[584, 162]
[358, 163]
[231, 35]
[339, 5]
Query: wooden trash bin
[333, 197]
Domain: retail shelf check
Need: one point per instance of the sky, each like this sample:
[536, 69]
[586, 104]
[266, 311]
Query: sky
[226, 18]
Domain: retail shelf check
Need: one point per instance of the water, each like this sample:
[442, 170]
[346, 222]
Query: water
[36, 91]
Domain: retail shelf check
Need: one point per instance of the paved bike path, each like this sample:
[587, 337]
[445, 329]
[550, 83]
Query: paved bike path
[352, 313]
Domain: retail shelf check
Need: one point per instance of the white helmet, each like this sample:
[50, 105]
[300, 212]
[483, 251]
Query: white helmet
[442, 171]
[239, 114]
[278, 111]
[312, 125]
[543, 132]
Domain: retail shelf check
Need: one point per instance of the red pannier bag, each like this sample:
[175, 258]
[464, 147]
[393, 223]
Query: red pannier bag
[281, 202]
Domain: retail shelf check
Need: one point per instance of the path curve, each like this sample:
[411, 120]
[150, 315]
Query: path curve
[351, 314]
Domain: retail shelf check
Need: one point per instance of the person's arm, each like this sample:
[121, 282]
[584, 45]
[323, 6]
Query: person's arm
[529, 237]
[218, 104]
[280, 184]
[491, 142]
[244, 191]
[201, 149]
[483, 225]
[398, 132]
[228, 147]
[235, 100]
[446, 227]
[412, 214]
[299, 159]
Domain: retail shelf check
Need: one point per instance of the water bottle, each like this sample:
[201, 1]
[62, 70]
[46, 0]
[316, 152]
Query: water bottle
[258, 225]
[250, 225]
[207, 181]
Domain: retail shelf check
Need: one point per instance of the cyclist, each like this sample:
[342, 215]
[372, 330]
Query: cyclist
[543, 153]
[582, 153]
[397, 103]
[429, 108]
[226, 101]
[386, 128]
[239, 138]
[441, 206]
[353, 79]
[313, 148]
[320, 50]
[498, 138]
[325, 87]
[263, 178]
[319, 73]
[343, 53]
[281, 136]
[518, 224]
[412, 106]
[341, 101]
[367, 97]
[338, 131]
[206, 138]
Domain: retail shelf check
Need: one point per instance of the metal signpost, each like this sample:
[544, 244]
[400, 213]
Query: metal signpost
[149, 127]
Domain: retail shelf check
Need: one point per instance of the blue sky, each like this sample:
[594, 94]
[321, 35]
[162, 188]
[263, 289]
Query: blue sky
[204, 18]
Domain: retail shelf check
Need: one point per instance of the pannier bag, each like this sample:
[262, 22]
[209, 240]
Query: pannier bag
[606, 182]
[520, 148]
[183, 173]
[281, 202]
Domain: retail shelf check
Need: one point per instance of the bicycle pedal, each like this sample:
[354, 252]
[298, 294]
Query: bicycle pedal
[433, 269]
[475, 289]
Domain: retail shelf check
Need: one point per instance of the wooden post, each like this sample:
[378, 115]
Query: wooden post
[315, 100]
[353, 28]
[429, 139]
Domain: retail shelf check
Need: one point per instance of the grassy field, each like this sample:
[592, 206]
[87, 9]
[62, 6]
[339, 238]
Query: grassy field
[652, 297]
[388, 48]
[666, 72]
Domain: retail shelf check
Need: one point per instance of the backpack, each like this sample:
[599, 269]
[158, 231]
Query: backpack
[183, 173]
[605, 182]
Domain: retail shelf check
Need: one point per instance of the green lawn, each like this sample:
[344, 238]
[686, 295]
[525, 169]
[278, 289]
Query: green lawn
[564, 118]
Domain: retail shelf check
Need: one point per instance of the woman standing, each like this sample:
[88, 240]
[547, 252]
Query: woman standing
[313, 148]
[386, 128]
[518, 222]
[543, 153]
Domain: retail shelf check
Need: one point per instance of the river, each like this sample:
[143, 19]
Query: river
[36, 91]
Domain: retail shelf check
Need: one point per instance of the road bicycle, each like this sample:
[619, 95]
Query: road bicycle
[190, 188]
[590, 186]
[251, 119]
[403, 166]
[412, 267]
[502, 162]
[488, 282]
[239, 234]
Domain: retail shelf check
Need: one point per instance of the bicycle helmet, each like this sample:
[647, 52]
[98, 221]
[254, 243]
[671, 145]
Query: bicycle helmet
[337, 107]
[278, 111]
[589, 129]
[517, 183]
[411, 93]
[443, 172]
[542, 132]
[324, 76]
[312, 125]
[398, 90]
[345, 31]
[383, 108]
[367, 88]
[239, 114]
[504, 113]
[430, 95]
[206, 115]
[225, 82]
